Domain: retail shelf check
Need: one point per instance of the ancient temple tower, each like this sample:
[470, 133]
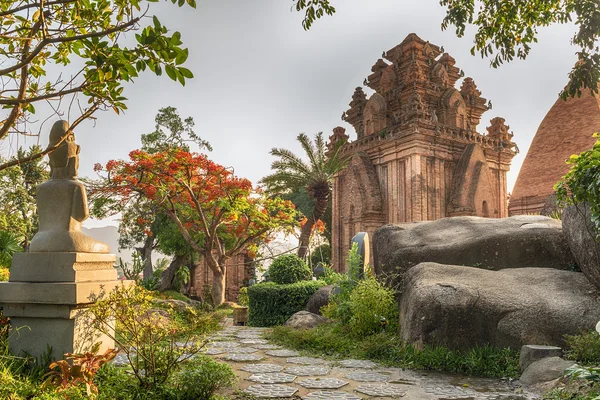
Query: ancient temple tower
[567, 129]
[417, 155]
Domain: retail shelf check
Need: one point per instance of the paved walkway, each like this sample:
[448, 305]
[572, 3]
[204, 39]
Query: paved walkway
[266, 370]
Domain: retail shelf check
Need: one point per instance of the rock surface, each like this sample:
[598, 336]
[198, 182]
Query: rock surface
[580, 235]
[319, 299]
[532, 353]
[544, 370]
[490, 243]
[461, 307]
[305, 320]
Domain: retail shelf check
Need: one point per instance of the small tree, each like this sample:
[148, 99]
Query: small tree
[217, 213]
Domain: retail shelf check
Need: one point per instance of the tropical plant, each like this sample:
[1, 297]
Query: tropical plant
[39, 35]
[290, 173]
[81, 369]
[9, 245]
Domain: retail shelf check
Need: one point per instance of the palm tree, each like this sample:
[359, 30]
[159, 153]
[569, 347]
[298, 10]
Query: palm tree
[290, 172]
[9, 245]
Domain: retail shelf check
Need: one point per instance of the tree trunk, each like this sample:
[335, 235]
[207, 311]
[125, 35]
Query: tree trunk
[146, 254]
[168, 276]
[218, 287]
[318, 212]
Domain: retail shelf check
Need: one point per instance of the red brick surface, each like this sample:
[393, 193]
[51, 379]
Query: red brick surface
[567, 129]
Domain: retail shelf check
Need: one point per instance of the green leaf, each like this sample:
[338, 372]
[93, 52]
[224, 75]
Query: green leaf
[171, 72]
[186, 72]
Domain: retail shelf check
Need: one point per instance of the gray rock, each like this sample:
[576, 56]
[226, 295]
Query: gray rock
[545, 370]
[319, 299]
[461, 307]
[580, 234]
[305, 320]
[488, 243]
[531, 353]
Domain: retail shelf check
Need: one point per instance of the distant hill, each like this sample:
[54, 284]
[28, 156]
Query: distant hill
[110, 236]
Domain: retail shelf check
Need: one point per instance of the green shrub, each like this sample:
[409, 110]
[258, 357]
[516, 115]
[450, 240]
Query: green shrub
[289, 268]
[201, 378]
[243, 296]
[272, 304]
[584, 347]
[582, 183]
[372, 307]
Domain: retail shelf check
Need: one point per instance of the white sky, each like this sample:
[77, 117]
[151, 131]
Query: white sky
[260, 79]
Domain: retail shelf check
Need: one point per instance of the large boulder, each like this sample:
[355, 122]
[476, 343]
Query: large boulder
[305, 320]
[319, 299]
[489, 243]
[581, 237]
[461, 307]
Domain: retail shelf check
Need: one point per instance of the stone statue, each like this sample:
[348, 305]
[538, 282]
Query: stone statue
[62, 201]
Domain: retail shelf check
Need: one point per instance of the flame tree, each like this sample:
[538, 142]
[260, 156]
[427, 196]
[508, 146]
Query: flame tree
[217, 213]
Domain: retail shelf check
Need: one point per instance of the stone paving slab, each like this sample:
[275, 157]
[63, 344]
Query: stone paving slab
[254, 341]
[308, 370]
[322, 383]
[382, 390]
[366, 364]
[282, 353]
[271, 391]
[242, 350]
[367, 376]
[213, 351]
[225, 345]
[272, 377]
[306, 361]
[262, 368]
[243, 357]
[331, 395]
[267, 346]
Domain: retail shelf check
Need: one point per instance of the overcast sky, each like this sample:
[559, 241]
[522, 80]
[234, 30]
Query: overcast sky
[260, 79]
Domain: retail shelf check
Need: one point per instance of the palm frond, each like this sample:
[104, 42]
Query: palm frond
[292, 160]
[309, 149]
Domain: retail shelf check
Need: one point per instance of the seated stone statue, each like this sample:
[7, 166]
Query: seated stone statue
[62, 202]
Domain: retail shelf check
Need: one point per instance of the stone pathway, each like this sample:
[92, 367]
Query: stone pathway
[269, 371]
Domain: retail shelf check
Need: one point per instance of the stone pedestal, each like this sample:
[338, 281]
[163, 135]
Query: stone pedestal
[47, 298]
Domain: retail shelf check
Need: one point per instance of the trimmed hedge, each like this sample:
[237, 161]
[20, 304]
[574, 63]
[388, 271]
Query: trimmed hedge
[289, 268]
[272, 304]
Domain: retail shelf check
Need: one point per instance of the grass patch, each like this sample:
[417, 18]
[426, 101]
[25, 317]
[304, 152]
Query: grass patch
[172, 294]
[336, 341]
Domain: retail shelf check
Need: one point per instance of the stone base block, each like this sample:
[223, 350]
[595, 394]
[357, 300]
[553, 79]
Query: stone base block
[62, 267]
[67, 293]
[37, 336]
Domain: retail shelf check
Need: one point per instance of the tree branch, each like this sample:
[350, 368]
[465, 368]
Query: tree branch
[34, 5]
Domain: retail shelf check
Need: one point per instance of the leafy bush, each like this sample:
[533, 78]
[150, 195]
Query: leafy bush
[289, 268]
[201, 378]
[584, 348]
[388, 349]
[372, 307]
[272, 304]
[582, 182]
[243, 296]
[146, 335]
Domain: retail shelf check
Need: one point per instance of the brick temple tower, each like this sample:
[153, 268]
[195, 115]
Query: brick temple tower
[567, 129]
[418, 155]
